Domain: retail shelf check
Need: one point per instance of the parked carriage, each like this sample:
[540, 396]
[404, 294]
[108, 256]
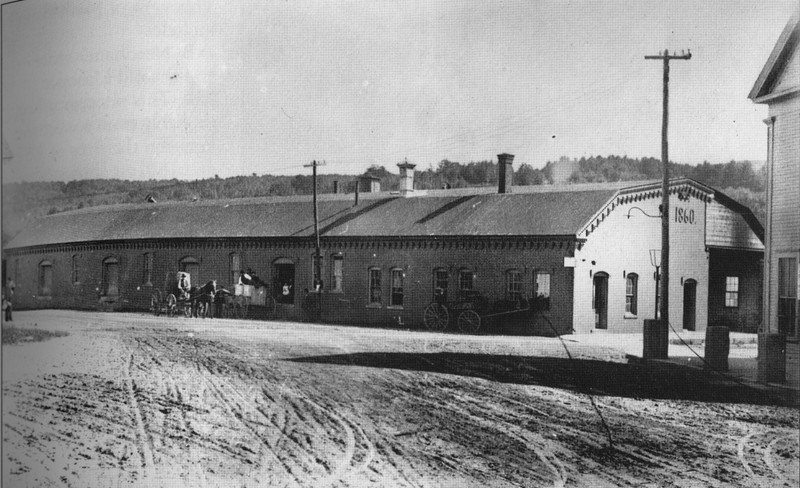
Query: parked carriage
[247, 300]
[470, 312]
[175, 299]
[180, 298]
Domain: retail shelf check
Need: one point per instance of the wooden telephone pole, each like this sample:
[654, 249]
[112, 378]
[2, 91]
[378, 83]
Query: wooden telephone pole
[666, 57]
[317, 256]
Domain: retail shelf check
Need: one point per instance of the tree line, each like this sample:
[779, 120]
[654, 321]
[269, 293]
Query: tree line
[22, 202]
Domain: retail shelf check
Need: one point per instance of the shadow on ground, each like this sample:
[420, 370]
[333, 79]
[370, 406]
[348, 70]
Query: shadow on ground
[635, 379]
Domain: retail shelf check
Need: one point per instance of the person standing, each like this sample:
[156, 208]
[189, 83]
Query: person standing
[8, 299]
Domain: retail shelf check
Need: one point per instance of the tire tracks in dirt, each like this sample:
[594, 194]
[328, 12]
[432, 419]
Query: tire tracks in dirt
[144, 443]
[756, 452]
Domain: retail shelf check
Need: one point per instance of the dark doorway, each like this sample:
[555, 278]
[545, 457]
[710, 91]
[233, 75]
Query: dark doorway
[283, 281]
[192, 266]
[600, 299]
[689, 304]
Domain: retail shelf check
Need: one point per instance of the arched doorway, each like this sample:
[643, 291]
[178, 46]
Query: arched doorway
[191, 265]
[283, 280]
[689, 304]
[600, 300]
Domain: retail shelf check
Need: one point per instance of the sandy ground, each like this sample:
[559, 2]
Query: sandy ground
[134, 400]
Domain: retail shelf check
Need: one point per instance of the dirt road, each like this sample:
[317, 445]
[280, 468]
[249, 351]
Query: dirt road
[132, 400]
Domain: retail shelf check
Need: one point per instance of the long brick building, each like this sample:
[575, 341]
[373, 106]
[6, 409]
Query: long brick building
[580, 254]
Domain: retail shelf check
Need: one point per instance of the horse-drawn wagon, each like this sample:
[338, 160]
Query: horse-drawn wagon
[247, 299]
[470, 312]
[180, 298]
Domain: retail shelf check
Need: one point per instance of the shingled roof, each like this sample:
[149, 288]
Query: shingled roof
[530, 211]
[542, 210]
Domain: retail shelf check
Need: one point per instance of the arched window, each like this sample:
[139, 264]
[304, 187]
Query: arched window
[75, 270]
[440, 283]
[541, 290]
[466, 282]
[337, 272]
[513, 284]
[632, 294]
[398, 282]
[110, 277]
[235, 267]
[375, 292]
[45, 278]
[147, 268]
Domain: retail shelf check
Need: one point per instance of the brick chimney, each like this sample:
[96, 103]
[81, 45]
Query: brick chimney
[406, 177]
[505, 173]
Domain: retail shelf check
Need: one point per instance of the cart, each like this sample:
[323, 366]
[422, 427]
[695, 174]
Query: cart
[470, 312]
[245, 299]
[172, 301]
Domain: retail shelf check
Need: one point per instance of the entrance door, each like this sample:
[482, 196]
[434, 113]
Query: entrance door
[283, 281]
[600, 301]
[689, 304]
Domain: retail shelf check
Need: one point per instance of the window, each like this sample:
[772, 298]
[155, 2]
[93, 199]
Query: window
[513, 284]
[632, 294]
[398, 278]
[337, 266]
[110, 277]
[75, 275]
[147, 270]
[466, 282]
[374, 286]
[541, 285]
[235, 267]
[732, 291]
[440, 279]
[787, 296]
[45, 278]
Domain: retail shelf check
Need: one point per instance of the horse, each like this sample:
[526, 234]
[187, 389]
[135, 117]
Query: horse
[202, 297]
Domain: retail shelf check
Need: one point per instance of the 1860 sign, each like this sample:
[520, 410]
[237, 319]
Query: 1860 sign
[684, 216]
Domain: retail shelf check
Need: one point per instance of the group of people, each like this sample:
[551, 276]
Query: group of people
[8, 298]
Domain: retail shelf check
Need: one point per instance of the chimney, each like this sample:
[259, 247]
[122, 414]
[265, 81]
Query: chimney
[335, 186]
[406, 177]
[505, 173]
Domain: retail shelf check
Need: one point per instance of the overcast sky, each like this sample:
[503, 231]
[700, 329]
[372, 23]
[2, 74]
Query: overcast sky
[189, 89]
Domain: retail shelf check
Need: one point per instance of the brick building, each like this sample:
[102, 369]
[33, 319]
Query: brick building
[579, 253]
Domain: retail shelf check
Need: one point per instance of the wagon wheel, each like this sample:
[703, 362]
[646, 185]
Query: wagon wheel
[270, 305]
[155, 303]
[469, 321]
[436, 316]
[171, 305]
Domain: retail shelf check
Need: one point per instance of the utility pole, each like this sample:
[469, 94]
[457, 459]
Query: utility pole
[666, 57]
[317, 256]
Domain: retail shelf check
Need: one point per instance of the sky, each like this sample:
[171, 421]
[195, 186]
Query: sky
[191, 89]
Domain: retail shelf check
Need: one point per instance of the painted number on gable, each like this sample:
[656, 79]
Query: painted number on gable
[684, 216]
